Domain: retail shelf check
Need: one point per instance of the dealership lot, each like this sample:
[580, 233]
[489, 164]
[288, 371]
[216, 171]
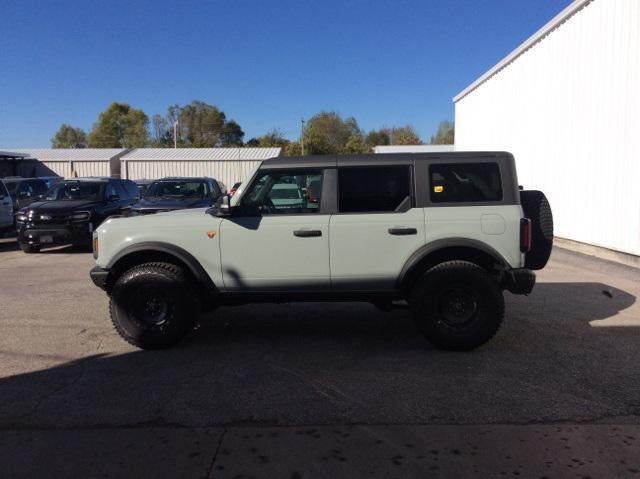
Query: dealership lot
[276, 390]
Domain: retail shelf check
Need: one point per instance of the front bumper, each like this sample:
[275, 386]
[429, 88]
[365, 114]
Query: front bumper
[79, 233]
[99, 276]
[520, 280]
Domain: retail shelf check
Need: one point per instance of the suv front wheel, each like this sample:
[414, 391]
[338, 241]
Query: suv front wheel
[457, 305]
[153, 305]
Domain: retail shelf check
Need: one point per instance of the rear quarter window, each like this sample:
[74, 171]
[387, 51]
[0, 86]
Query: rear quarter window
[465, 182]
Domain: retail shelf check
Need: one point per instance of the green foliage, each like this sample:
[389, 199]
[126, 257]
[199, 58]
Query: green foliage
[327, 133]
[403, 135]
[395, 135]
[273, 138]
[377, 138]
[120, 126]
[293, 148]
[201, 125]
[231, 134]
[69, 137]
[445, 135]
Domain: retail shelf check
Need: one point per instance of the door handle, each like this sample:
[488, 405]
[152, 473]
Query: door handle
[307, 233]
[403, 231]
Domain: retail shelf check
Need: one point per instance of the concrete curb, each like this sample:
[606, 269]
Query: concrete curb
[598, 251]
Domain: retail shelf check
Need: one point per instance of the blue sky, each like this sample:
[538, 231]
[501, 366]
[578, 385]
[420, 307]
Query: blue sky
[265, 64]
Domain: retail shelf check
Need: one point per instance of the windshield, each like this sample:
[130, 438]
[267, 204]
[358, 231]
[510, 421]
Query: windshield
[285, 194]
[178, 189]
[12, 187]
[76, 190]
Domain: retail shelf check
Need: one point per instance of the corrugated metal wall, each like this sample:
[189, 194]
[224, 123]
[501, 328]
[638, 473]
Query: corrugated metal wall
[228, 172]
[64, 168]
[568, 108]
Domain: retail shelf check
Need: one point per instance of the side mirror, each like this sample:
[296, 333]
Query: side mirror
[224, 206]
[113, 198]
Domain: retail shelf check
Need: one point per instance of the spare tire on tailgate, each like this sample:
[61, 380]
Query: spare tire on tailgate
[536, 207]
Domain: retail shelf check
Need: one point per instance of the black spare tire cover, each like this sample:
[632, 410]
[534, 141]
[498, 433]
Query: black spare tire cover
[536, 207]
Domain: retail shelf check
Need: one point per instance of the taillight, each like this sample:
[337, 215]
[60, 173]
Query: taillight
[525, 235]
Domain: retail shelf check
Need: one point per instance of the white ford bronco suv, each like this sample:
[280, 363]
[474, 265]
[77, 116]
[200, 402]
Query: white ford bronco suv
[441, 233]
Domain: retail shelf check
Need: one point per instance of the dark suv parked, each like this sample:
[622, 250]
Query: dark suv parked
[170, 194]
[70, 211]
[25, 191]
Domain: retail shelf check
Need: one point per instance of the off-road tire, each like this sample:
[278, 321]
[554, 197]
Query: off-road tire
[29, 248]
[536, 207]
[142, 290]
[435, 293]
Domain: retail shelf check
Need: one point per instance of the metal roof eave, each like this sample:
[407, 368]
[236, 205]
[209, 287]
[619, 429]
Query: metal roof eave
[554, 23]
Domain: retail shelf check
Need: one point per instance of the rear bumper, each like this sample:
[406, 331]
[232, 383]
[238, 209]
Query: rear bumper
[99, 276]
[519, 281]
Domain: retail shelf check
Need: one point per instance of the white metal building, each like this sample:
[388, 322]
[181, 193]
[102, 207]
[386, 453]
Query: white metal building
[225, 164]
[566, 103]
[70, 163]
[412, 148]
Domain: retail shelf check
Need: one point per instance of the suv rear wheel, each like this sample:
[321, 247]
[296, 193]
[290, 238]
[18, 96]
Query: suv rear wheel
[457, 305]
[153, 305]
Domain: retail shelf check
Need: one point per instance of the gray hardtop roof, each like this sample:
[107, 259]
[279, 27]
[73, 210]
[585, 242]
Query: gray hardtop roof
[373, 159]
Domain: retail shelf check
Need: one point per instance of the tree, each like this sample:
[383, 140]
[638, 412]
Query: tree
[328, 134]
[120, 126]
[69, 137]
[201, 125]
[273, 138]
[293, 148]
[445, 135]
[162, 135]
[377, 138]
[403, 135]
[231, 134]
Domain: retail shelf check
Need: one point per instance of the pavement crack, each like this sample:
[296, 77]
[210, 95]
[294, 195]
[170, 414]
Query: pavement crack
[215, 454]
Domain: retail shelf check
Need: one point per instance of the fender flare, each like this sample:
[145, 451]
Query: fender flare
[204, 280]
[438, 245]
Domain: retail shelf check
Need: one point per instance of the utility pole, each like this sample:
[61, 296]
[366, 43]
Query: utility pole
[175, 134]
[302, 136]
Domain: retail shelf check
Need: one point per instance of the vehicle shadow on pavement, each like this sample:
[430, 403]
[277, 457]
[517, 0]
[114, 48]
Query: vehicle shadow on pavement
[317, 363]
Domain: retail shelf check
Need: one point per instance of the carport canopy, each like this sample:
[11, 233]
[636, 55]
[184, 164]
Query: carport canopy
[10, 155]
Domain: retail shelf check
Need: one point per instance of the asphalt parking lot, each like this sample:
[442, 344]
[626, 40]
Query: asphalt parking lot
[319, 390]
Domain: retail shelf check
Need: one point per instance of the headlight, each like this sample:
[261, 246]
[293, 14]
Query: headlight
[80, 216]
[21, 217]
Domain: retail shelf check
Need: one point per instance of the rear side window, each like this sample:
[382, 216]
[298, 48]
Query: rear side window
[374, 189]
[465, 182]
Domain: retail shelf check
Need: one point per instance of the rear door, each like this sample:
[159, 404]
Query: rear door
[376, 229]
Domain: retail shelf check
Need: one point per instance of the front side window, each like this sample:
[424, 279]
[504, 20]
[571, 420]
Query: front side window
[285, 193]
[374, 189]
[178, 189]
[75, 190]
[465, 182]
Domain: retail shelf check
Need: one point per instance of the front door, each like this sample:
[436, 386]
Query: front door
[279, 238]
